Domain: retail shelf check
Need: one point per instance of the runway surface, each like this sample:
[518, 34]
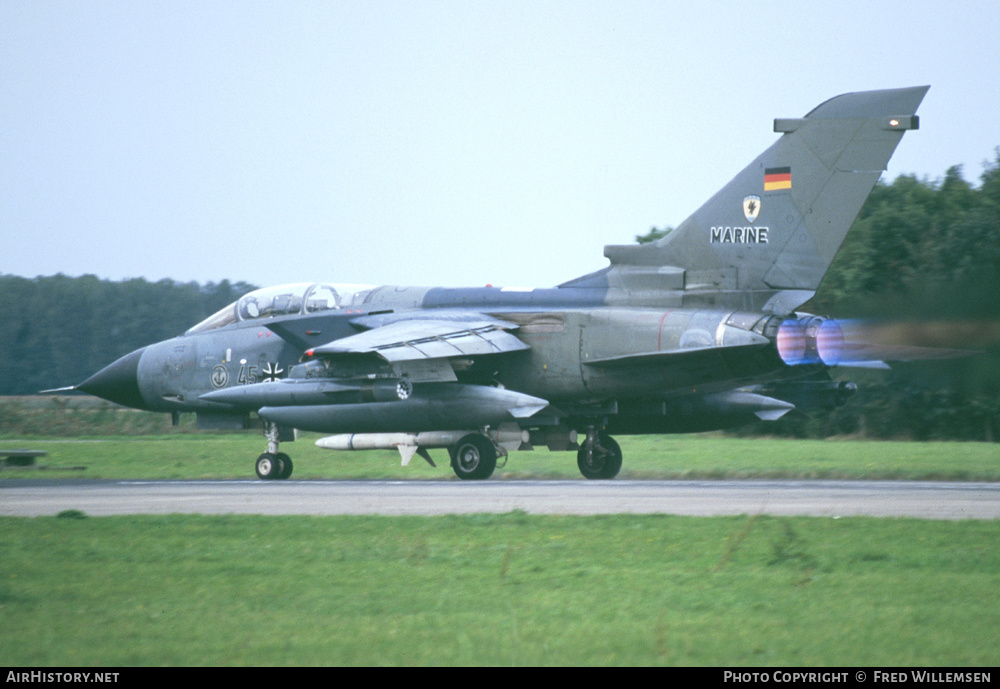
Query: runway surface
[929, 500]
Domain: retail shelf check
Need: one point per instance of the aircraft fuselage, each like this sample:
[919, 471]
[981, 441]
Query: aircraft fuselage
[699, 329]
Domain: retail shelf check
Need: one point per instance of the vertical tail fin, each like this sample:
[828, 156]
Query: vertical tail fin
[778, 224]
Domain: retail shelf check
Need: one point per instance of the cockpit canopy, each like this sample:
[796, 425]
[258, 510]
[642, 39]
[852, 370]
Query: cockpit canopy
[284, 300]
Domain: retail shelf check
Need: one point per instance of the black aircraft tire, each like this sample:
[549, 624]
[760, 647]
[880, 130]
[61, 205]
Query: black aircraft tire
[286, 466]
[613, 463]
[268, 467]
[606, 461]
[473, 458]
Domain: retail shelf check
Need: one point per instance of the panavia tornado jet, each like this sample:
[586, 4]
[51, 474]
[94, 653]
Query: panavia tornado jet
[699, 330]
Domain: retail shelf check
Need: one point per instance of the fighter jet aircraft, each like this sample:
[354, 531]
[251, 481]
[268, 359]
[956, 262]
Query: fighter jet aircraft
[696, 331]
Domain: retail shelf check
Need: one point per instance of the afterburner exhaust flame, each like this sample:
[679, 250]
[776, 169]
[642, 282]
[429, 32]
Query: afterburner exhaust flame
[811, 340]
[817, 340]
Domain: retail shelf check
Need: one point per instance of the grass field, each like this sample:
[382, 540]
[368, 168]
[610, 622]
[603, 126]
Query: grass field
[505, 589]
[689, 457]
[510, 589]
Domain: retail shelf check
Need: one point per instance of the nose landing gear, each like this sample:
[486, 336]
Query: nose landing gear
[273, 465]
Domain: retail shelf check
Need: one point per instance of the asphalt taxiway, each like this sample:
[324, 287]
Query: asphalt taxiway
[928, 500]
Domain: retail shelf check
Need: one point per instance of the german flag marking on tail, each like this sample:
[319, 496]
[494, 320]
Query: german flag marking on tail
[777, 178]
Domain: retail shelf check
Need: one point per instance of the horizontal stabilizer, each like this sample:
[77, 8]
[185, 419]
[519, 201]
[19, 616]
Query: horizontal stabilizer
[751, 341]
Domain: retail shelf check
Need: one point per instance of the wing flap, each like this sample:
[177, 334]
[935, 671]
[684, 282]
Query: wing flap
[427, 339]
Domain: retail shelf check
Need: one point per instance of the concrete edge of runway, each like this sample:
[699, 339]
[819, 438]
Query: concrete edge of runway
[920, 499]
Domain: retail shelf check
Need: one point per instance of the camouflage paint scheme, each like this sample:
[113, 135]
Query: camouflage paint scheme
[695, 331]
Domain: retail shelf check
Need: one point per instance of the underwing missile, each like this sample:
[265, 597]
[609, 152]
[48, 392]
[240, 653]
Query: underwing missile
[409, 444]
[390, 441]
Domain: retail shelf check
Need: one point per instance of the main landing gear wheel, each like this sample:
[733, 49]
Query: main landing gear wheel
[473, 457]
[600, 459]
[286, 465]
[268, 467]
[271, 466]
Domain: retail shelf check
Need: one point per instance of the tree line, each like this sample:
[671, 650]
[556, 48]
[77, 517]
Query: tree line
[56, 331]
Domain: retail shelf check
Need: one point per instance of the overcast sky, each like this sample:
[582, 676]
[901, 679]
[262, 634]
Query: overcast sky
[433, 143]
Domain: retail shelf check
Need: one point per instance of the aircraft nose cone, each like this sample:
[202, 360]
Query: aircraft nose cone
[118, 382]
